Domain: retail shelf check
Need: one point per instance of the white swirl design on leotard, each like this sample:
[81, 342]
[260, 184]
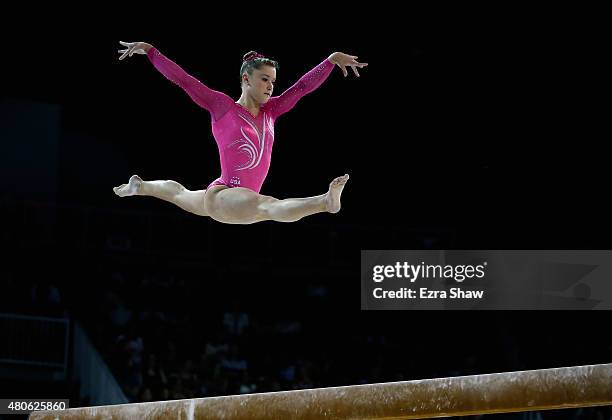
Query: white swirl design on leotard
[270, 125]
[248, 146]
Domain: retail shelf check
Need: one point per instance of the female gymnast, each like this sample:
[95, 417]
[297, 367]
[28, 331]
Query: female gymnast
[244, 132]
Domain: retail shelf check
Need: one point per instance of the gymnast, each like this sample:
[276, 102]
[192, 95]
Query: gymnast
[244, 132]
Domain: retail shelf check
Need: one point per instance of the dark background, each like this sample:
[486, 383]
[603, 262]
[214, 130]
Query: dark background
[472, 128]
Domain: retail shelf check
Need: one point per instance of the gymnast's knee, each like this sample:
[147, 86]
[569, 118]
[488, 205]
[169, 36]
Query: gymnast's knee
[273, 209]
[265, 203]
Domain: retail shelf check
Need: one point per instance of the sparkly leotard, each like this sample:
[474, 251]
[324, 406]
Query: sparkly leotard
[244, 141]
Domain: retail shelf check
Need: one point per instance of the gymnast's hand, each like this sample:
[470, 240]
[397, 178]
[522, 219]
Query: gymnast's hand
[134, 48]
[343, 60]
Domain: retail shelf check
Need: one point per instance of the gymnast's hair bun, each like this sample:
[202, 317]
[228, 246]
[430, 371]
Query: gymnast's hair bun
[251, 55]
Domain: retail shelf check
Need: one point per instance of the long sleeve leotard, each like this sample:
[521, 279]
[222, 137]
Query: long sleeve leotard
[244, 141]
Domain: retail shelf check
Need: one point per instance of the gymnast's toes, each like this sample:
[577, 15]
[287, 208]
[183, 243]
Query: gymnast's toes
[131, 188]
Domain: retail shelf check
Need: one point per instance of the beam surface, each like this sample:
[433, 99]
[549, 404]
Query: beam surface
[546, 389]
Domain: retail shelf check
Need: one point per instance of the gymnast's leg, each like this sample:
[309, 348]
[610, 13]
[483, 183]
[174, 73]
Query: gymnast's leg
[244, 206]
[172, 191]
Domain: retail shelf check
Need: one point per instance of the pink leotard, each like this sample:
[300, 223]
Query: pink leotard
[244, 141]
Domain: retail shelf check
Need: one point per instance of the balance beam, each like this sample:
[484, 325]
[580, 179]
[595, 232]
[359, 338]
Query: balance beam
[546, 389]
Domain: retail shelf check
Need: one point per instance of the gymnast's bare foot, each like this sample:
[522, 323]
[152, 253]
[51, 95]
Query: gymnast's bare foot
[131, 188]
[335, 191]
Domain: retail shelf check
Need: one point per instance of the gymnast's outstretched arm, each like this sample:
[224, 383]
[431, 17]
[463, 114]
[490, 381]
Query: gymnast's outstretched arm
[215, 102]
[312, 80]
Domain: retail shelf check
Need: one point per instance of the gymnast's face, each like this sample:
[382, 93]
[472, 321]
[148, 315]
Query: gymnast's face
[260, 84]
